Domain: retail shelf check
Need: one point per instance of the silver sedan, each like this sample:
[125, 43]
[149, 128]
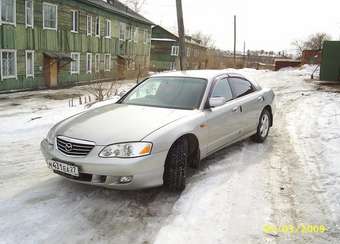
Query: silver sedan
[165, 124]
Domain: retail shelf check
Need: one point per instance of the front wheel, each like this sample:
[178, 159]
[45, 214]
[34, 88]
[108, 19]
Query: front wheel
[263, 127]
[176, 166]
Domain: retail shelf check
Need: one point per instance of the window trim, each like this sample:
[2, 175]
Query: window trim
[27, 52]
[26, 24]
[105, 55]
[95, 26]
[89, 17]
[122, 25]
[56, 19]
[78, 71]
[89, 71]
[14, 15]
[175, 50]
[15, 64]
[97, 63]
[74, 14]
[108, 35]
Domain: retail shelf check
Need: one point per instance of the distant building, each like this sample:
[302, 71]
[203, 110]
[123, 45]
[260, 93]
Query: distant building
[285, 63]
[330, 61]
[55, 43]
[165, 51]
[311, 57]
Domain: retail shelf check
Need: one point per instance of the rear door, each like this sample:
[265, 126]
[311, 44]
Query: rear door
[250, 102]
[222, 121]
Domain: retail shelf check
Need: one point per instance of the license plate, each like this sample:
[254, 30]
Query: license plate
[63, 167]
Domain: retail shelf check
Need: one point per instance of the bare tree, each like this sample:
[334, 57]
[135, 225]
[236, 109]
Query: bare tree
[135, 5]
[205, 39]
[314, 42]
[103, 90]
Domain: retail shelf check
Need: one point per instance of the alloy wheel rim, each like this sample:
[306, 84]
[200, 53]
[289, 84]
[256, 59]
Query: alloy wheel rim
[264, 125]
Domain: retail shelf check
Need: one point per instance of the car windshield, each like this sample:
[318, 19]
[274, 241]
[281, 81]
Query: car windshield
[168, 92]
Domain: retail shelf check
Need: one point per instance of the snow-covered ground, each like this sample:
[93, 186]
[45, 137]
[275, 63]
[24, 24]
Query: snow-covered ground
[292, 179]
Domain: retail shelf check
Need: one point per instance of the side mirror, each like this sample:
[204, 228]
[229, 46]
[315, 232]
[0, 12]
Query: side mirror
[217, 101]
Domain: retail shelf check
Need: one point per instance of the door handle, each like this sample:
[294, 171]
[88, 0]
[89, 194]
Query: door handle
[260, 98]
[236, 109]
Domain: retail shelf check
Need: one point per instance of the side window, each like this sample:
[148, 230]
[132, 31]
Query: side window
[240, 87]
[222, 89]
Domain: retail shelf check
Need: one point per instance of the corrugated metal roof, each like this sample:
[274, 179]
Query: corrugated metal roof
[119, 8]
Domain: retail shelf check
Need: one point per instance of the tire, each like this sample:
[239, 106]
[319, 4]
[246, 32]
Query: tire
[175, 168]
[263, 127]
[195, 159]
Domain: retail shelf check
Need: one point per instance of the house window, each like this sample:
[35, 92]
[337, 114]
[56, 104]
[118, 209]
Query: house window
[107, 62]
[89, 25]
[29, 64]
[145, 36]
[89, 63]
[50, 16]
[128, 32]
[97, 26]
[8, 11]
[75, 21]
[75, 64]
[174, 50]
[97, 62]
[173, 66]
[188, 51]
[29, 13]
[108, 28]
[135, 34]
[122, 30]
[8, 64]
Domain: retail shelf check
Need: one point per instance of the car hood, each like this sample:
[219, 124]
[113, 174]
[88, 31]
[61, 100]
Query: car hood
[117, 123]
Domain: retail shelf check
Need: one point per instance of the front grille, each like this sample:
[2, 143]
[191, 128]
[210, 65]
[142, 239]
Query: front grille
[74, 147]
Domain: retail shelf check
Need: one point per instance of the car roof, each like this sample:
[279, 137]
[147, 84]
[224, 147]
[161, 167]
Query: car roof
[206, 74]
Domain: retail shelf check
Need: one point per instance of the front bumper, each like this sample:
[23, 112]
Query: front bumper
[146, 171]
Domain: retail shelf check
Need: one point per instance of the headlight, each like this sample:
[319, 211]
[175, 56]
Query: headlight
[126, 150]
[50, 137]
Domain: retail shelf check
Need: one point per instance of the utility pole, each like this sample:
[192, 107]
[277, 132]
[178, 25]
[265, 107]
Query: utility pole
[234, 41]
[181, 34]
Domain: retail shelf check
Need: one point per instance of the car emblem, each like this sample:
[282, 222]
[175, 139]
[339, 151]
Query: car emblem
[68, 147]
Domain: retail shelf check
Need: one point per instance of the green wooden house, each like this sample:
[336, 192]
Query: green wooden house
[54, 43]
[165, 51]
[330, 61]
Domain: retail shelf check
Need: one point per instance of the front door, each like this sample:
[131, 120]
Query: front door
[223, 121]
[50, 72]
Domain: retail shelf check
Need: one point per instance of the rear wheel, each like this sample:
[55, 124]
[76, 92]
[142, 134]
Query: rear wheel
[176, 166]
[263, 127]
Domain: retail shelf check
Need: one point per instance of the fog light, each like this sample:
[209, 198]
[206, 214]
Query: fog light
[125, 179]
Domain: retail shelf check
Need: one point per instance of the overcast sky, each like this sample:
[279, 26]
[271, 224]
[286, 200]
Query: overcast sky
[263, 24]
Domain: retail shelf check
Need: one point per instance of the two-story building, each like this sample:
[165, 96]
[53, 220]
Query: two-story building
[165, 51]
[53, 43]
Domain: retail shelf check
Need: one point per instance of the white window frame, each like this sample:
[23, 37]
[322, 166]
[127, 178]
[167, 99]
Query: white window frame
[135, 34]
[105, 55]
[14, 15]
[145, 36]
[75, 28]
[88, 69]
[97, 63]
[174, 51]
[122, 30]
[56, 17]
[31, 52]
[32, 14]
[188, 51]
[106, 24]
[89, 26]
[97, 18]
[15, 76]
[78, 61]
